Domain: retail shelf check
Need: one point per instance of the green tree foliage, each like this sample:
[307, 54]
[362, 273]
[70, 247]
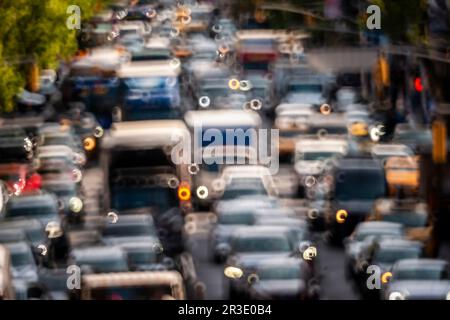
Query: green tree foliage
[34, 31]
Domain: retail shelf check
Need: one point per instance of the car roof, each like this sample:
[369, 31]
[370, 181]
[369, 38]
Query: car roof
[146, 134]
[392, 149]
[399, 243]
[258, 231]
[260, 262]
[269, 34]
[221, 118]
[149, 68]
[317, 145]
[98, 253]
[131, 278]
[33, 199]
[133, 219]
[21, 223]
[421, 263]
[245, 170]
[378, 225]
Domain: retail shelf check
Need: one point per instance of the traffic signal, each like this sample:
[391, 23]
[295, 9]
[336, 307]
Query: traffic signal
[418, 85]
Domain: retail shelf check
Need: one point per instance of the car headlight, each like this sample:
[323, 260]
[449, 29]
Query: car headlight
[77, 175]
[89, 144]
[448, 296]
[75, 204]
[233, 272]
[396, 296]
[53, 229]
[79, 159]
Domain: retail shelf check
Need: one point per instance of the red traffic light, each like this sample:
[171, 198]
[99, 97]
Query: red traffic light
[418, 84]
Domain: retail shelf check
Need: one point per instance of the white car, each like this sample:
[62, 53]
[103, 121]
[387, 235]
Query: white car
[237, 181]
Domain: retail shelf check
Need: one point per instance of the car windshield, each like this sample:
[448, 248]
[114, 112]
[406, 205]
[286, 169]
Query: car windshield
[243, 187]
[213, 167]
[135, 197]
[436, 273]
[244, 218]
[127, 230]
[313, 156]
[362, 185]
[15, 210]
[106, 265]
[50, 141]
[361, 235]
[146, 83]
[261, 244]
[142, 256]
[305, 88]
[392, 255]
[279, 272]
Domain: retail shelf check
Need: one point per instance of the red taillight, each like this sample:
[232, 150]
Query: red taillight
[34, 182]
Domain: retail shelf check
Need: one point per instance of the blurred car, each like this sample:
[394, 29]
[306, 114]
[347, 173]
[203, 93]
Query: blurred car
[150, 90]
[272, 278]
[152, 285]
[358, 182]
[385, 253]
[16, 149]
[412, 214]
[263, 241]
[19, 178]
[146, 256]
[313, 159]
[41, 206]
[418, 290]
[93, 80]
[229, 219]
[32, 228]
[420, 269]
[246, 180]
[403, 175]
[366, 234]
[57, 166]
[130, 228]
[211, 168]
[86, 127]
[291, 120]
[414, 137]
[54, 282]
[99, 259]
[64, 138]
[23, 265]
[70, 198]
[256, 49]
